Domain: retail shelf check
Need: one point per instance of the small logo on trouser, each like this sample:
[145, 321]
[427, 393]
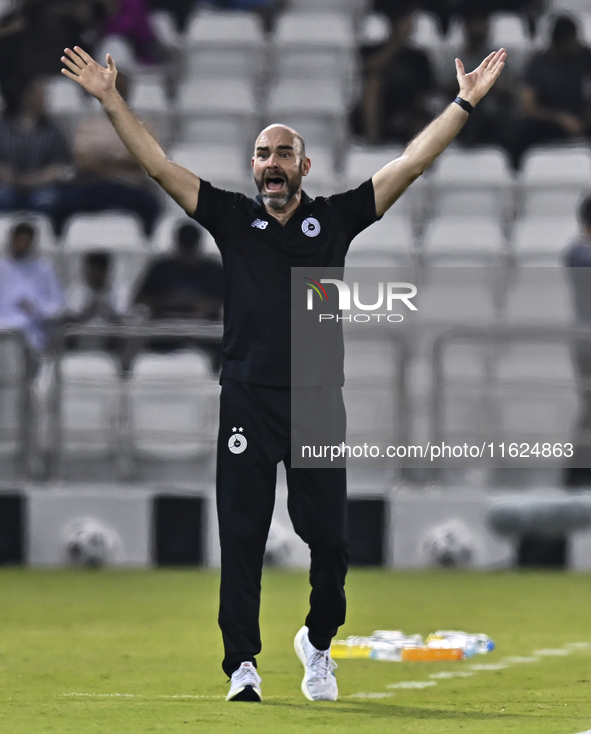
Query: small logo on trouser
[237, 442]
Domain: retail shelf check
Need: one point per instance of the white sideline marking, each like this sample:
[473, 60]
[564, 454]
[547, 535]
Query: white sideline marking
[451, 674]
[552, 652]
[585, 732]
[413, 684]
[488, 666]
[578, 646]
[369, 695]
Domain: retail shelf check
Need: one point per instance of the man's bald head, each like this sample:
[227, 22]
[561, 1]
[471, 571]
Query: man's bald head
[276, 127]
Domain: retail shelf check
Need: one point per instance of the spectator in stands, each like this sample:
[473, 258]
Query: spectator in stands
[489, 119]
[34, 156]
[30, 294]
[184, 284]
[130, 20]
[34, 33]
[95, 299]
[180, 10]
[108, 177]
[554, 98]
[577, 259]
[397, 81]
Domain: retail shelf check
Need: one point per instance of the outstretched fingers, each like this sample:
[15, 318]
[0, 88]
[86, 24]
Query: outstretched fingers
[72, 66]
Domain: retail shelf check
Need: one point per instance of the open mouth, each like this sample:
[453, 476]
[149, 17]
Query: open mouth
[274, 183]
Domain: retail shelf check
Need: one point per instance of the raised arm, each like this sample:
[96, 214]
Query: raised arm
[99, 81]
[392, 180]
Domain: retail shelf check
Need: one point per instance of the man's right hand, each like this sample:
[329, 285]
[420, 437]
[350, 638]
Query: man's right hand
[92, 77]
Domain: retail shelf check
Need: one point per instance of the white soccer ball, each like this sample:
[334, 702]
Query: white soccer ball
[279, 545]
[89, 542]
[450, 544]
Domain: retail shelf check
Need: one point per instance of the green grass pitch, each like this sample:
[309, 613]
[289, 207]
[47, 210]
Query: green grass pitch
[139, 651]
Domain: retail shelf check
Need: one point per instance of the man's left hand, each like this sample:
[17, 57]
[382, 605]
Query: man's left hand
[475, 85]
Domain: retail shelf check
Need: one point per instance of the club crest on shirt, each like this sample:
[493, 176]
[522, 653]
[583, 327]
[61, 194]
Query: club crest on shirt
[237, 442]
[311, 227]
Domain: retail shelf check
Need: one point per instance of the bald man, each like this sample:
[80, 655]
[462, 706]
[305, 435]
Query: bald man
[260, 240]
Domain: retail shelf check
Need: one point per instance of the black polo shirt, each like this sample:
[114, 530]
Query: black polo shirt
[258, 254]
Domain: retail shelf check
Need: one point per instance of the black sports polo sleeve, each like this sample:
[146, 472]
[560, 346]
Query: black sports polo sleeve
[356, 209]
[214, 207]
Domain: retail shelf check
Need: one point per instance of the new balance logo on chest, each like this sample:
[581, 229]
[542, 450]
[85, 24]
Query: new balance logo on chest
[259, 224]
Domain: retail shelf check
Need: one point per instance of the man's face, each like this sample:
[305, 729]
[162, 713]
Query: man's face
[278, 166]
[20, 245]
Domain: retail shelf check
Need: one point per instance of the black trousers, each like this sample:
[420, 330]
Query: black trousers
[254, 436]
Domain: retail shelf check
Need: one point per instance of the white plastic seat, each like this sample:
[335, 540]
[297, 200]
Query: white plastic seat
[537, 395]
[173, 404]
[540, 296]
[12, 375]
[553, 180]
[327, 30]
[224, 45]
[216, 111]
[225, 166]
[475, 182]
[66, 103]
[317, 111]
[464, 240]
[541, 240]
[148, 100]
[454, 296]
[389, 241]
[89, 413]
[118, 234]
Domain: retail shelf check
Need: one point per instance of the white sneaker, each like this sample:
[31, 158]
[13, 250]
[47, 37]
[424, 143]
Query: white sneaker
[319, 682]
[245, 684]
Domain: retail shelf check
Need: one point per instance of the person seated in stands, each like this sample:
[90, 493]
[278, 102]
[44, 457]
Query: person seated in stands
[130, 20]
[35, 157]
[554, 97]
[184, 284]
[95, 299]
[31, 297]
[489, 118]
[107, 176]
[397, 82]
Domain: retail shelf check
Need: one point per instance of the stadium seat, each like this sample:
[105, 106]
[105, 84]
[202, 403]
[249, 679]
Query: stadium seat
[317, 112]
[508, 31]
[162, 242]
[322, 179]
[148, 100]
[224, 45]
[453, 296]
[173, 406]
[215, 111]
[538, 296]
[389, 242]
[463, 240]
[85, 426]
[553, 180]
[119, 234]
[537, 392]
[225, 166]
[66, 103]
[370, 395]
[540, 240]
[15, 424]
[476, 182]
